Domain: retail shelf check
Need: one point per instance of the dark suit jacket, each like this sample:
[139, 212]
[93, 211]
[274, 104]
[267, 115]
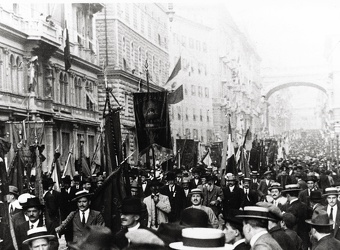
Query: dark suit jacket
[301, 212]
[232, 200]
[21, 234]
[263, 187]
[177, 199]
[242, 246]
[295, 238]
[327, 243]
[282, 238]
[252, 199]
[77, 229]
[304, 197]
[192, 183]
[337, 222]
[266, 242]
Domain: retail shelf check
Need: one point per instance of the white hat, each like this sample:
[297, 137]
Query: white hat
[201, 238]
[37, 233]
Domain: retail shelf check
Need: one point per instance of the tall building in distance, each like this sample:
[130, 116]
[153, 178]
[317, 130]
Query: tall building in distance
[231, 72]
[131, 34]
[34, 84]
[192, 118]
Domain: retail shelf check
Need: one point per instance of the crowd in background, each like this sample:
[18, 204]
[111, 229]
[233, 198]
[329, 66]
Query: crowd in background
[292, 205]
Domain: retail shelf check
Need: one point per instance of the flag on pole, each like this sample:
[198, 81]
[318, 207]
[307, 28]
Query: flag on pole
[231, 163]
[67, 53]
[176, 96]
[243, 162]
[176, 69]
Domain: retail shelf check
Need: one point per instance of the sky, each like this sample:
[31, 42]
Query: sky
[288, 33]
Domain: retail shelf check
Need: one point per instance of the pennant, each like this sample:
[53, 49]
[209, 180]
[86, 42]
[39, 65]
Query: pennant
[176, 96]
[152, 120]
[231, 162]
[67, 53]
[176, 69]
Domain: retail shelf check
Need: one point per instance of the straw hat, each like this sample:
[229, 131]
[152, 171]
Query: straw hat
[37, 233]
[201, 238]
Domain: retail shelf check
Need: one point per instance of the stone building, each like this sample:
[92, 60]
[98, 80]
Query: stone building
[192, 118]
[34, 84]
[131, 34]
[233, 70]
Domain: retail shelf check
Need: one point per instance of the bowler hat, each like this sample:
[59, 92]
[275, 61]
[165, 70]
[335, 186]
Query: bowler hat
[81, 194]
[37, 233]
[170, 176]
[320, 218]
[255, 212]
[76, 178]
[94, 237]
[131, 205]
[48, 182]
[315, 196]
[311, 178]
[331, 191]
[193, 217]
[13, 190]
[66, 179]
[291, 188]
[200, 238]
[32, 202]
[154, 182]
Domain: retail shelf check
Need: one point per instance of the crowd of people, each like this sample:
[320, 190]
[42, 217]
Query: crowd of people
[293, 205]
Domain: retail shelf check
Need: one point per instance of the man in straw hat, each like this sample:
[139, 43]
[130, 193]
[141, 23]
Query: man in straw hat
[233, 231]
[38, 238]
[75, 223]
[333, 209]
[196, 201]
[300, 210]
[33, 209]
[275, 216]
[275, 193]
[321, 227]
[255, 224]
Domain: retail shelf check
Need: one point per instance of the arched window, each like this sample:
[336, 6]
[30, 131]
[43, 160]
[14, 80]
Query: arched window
[140, 59]
[66, 90]
[132, 55]
[61, 83]
[13, 74]
[19, 77]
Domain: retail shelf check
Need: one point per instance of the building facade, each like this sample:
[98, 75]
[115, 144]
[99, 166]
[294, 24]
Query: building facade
[233, 66]
[34, 84]
[131, 37]
[192, 118]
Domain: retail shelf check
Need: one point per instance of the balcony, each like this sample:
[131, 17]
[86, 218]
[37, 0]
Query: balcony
[35, 29]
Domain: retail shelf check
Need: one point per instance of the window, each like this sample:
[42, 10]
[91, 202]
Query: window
[199, 90]
[187, 132]
[140, 59]
[132, 55]
[184, 41]
[198, 45]
[186, 114]
[65, 146]
[159, 40]
[194, 114]
[206, 92]
[185, 91]
[201, 115]
[195, 134]
[66, 92]
[193, 90]
[91, 145]
[208, 118]
[124, 46]
[204, 47]
[191, 43]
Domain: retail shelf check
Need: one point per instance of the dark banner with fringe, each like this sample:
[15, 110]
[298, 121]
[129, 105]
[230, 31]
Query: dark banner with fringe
[152, 120]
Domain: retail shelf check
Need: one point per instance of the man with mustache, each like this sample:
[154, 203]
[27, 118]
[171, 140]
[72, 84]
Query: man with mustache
[131, 210]
[196, 200]
[33, 209]
[75, 223]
